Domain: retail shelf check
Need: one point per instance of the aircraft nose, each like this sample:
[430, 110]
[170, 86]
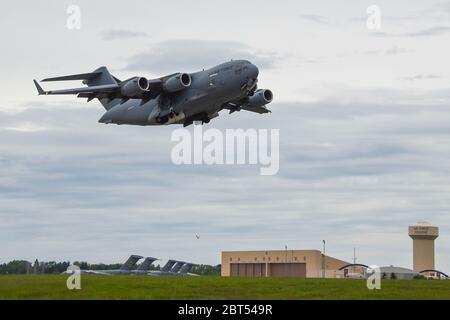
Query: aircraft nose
[253, 71]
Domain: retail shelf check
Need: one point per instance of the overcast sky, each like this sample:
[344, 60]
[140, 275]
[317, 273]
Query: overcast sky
[364, 119]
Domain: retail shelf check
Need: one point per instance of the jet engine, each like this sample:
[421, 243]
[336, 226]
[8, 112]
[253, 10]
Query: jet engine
[177, 83]
[260, 98]
[135, 87]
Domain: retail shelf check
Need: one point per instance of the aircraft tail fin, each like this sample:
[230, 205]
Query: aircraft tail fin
[98, 77]
[100, 84]
[168, 266]
[131, 262]
[186, 268]
[145, 265]
[178, 265]
[104, 77]
[39, 88]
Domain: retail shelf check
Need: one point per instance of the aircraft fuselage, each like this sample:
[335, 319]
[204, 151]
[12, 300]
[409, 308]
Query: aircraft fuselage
[209, 90]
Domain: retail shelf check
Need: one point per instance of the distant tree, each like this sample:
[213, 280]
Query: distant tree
[16, 267]
[393, 276]
[157, 267]
[36, 266]
[83, 265]
[42, 267]
[153, 267]
[103, 266]
[207, 270]
[53, 267]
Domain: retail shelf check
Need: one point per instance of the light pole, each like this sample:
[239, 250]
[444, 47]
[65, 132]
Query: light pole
[285, 260]
[324, 264]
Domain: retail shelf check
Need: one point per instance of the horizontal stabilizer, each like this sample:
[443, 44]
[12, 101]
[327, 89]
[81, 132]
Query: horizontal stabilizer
[81, 76]
[95, 89]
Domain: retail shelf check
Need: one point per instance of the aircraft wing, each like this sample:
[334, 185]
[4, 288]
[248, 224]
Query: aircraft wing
[238, 106]
[259, 110]
[254, 102]
[94, 89]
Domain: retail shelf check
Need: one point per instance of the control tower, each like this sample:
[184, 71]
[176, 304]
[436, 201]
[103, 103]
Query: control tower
[423, 235]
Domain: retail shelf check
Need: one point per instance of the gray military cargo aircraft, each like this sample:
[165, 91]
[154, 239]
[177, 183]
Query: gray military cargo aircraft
[173, 268]
[185, 270]
[179, 98]
[126, 268]
[144, 267]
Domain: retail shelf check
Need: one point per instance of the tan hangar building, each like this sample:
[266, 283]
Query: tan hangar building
[423, 235]
[280, 263]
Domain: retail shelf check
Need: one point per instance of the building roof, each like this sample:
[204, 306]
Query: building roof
[422, 224]
[393, 269]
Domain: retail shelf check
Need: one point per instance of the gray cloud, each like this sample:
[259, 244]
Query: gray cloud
[443, 6]
[177, 55]
[433, 31]
[396, 50]
[390, 18]
[423, 77]
[367, 169]
[364, 162]
[120, 34]
[315, 18]
[391, 51]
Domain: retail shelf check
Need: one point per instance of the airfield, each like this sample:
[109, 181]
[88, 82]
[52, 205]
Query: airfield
[125, 287]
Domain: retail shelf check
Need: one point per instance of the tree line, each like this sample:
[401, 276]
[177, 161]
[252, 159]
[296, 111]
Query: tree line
[53, 267]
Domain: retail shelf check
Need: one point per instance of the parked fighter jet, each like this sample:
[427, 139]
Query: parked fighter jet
[179, 98]
[126, 268]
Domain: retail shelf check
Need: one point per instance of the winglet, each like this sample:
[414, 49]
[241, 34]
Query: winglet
[39, 88]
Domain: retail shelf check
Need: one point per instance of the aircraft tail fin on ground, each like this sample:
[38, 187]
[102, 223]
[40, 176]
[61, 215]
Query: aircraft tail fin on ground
[131, 262]
[145, 265]
[178, 265]
[168, 266]
[186, 268]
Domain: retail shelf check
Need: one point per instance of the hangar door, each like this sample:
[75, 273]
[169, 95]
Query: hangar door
[287, 270]
[248, 269]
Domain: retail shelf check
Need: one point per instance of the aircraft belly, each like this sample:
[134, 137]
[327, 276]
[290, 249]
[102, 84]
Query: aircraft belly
[131, 112]
[208, 106]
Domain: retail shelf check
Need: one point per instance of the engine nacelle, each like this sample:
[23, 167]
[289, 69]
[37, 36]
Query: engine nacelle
[177, 83]
[260, 98]
[135, 87]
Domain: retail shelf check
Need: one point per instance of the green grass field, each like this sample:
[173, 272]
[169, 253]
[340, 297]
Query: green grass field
[136, 287]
